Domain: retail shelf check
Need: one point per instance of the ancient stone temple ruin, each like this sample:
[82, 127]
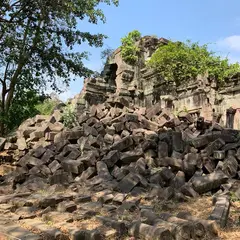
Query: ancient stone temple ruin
[144, 87]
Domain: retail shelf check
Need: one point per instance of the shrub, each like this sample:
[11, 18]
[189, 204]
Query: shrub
[181, 62]
[129, 50]
[46, 107]
[69, 116]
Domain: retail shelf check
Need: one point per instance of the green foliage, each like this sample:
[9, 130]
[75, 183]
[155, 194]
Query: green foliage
[181, 62]
[38, 41]
[46, 107]
[22, 107]
[233, 197]
[129, 50]
[69, 116]
[106, 54]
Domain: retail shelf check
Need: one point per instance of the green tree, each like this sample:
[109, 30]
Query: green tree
[37, 40]
[129, 50]
[181, 62]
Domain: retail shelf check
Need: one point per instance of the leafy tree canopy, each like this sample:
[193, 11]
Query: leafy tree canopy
[129, 50]
[181, 62]
[37, 40]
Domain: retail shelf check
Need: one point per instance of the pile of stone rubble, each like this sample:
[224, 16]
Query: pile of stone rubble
[126, 151]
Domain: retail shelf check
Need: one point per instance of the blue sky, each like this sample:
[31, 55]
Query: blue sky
[206, 21]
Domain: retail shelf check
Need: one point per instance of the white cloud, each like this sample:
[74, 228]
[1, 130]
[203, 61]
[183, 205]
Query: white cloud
[232, 43]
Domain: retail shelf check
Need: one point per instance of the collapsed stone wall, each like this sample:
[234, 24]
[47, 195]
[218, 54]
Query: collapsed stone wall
[124, 152]
[144, 87]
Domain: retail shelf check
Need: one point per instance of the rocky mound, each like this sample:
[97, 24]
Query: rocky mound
[121, 152]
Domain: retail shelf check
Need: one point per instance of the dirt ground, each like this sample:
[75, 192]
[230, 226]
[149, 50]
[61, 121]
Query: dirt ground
[202, 208]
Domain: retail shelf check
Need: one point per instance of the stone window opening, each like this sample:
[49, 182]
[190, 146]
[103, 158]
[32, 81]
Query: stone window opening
[109, 73]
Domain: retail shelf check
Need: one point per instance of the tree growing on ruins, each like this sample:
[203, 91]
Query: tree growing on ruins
[37, 40]
[181, 62]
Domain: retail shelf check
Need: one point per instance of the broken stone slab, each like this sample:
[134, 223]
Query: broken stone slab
[6, 198]
[56, 127]
[150, 135]
[199, 142]
[88, 173]
[76, 234]
[14, 231]
[103, 171]
[118, 173]
[21, 143]
[82, 199]
[74, 154]
[144, 231]
[91, 121]
[118, 225]
[67, 207]
[141, 166]
[60, 145]
[213, 146]
[122, 144]
[119, 126]
[2, 142]
[54, 166]
[130, 126]
[73, 166]
[209, 182]
[128, 183]
[149, 125]
[74, 134]
[188, 228]
[221, 211]
[26, 212]
[25, 132]
[84, 144]
[10, 146]
[162, 150]
[131, 156]
[178, 231]
[131, 117]
[111, 158]
[210, 226]
[188, 190]
[60, 177]
[230, 135]
[31, 161]
[177, 142]
[100, 128]
[39, 226]
[166, 174]
[230, 166]
[153, 111]
[171, 162]
[39, 152]
[110, 130]
[108, 139]
[39, 133]
[125, 133]
[231, 146]
[47, 202]
[89, 131]
[107, 198]
[48, 156]
[119, 198]
[179, 180]
[106, 120]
